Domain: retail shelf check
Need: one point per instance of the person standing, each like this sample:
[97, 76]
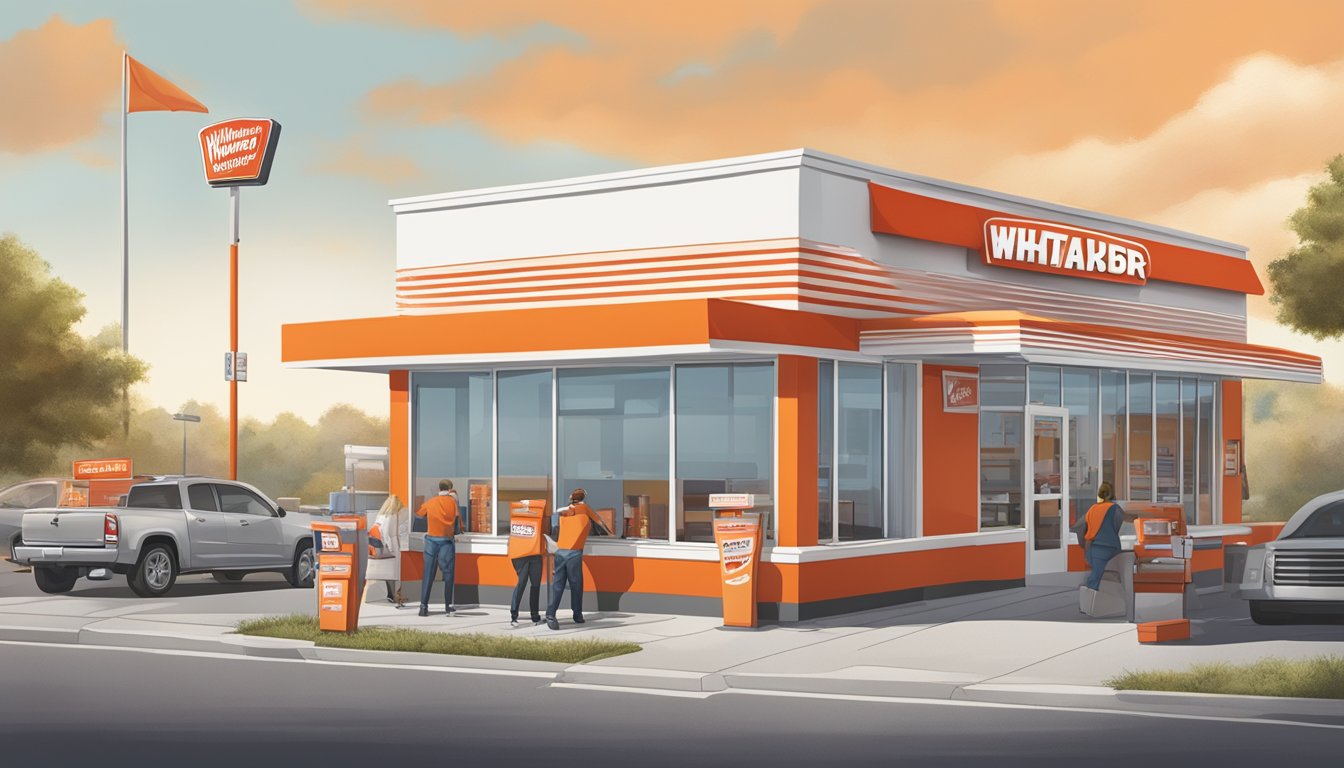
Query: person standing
[525, 554]
[441, 514]
[575, 521]
[385, 538]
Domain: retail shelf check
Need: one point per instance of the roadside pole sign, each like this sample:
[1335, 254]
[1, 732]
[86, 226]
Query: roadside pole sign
[228, 366]
[240, 366]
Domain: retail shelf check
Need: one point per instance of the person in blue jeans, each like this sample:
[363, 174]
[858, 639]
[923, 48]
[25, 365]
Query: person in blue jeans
[440, 549]
[574, 523]
[1101, 542]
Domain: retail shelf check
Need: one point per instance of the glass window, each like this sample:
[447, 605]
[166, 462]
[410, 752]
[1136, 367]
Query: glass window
[29, 496]
[1189, 451]
[725, 444]
[613, 435]
[825, 448]
[202, 498]
[1168, 411]
[1140, 437]
[1045, 385]
[524, 440]
[155, 497]
[240, 501]
[1113, 454]
[859, 452]
[453, 432]
[1080, 398]
[1326, 522]
[1206, 458]
[902, 449]
[1000, 469]
[1003, 385]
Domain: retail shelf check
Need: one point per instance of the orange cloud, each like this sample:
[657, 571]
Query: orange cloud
[60, 80]
[354, 158]
[941, 88]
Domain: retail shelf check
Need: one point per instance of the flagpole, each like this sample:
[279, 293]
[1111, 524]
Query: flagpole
[125, 258]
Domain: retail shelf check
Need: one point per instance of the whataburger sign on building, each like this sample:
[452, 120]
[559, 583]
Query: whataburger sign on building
[1042, 246]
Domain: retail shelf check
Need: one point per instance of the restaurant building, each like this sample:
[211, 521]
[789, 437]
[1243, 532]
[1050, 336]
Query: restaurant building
[921, 383]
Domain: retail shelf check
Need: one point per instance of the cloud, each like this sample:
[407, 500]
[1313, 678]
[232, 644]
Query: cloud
[354, 157]
[1268, 118]
[60, 80]
[940, 88]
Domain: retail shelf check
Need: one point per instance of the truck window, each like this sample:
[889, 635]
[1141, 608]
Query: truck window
[202, 498]
[154, 497]
[240, 501]
[1326, 522]
[28, 496]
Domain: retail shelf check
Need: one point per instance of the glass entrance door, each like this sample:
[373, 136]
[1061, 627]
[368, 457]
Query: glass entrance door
[1047, 492]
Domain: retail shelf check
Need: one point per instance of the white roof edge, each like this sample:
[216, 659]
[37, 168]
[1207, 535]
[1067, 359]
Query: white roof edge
[796, 158]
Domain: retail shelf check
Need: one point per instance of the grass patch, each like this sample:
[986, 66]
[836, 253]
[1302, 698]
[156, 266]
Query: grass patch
[565, 651]
[1320, 677]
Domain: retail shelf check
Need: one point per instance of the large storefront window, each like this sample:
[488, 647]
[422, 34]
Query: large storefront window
[1140, 437]
[825, 449]
[1168, 410]
[1080, 398]
[453, 431]
[1114, 426]
[858, 454]
[1189, 445]
[1001, 469]
[614, 443]
[1207, 462]
[902, 449]
[725, 444]
[524, 440]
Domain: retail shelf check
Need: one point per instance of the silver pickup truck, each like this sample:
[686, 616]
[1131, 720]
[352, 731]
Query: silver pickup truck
[170, 525]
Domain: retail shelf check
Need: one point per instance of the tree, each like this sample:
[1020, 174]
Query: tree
[1306, 283]
[56, 387]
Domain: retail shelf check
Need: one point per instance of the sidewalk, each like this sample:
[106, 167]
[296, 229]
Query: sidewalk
[1021, 646]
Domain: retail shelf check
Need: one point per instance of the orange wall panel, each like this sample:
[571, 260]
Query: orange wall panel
[398, 436]
[831, 579]
[1232, 430]
[797, 446]
[951, 461]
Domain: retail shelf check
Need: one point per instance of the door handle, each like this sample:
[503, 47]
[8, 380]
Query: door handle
[244, 522]
[200, 519]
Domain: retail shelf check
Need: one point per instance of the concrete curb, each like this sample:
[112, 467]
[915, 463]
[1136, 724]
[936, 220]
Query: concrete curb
[1320, 711]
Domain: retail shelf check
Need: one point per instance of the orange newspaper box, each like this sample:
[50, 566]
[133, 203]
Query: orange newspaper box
[1162, 574]
[342, 547]
[738, 535]
[526, 526]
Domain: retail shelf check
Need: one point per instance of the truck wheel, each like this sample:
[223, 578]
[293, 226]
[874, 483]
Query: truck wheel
[301, 573]
[55, 579]
[1261, 614]
[155, 573]
[227, 577]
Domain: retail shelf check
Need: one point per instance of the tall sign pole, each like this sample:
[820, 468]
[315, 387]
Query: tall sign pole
[237, 153]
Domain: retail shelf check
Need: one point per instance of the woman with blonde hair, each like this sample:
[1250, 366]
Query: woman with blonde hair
[385, 538]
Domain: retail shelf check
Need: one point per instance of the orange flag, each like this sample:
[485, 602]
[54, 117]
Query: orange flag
[147, 91]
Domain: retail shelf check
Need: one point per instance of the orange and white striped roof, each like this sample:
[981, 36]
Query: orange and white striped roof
[1059, 342]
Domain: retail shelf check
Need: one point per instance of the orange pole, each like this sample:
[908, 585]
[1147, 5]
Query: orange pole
[233, 347]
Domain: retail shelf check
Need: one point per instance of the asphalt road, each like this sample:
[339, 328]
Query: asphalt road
[66, 706]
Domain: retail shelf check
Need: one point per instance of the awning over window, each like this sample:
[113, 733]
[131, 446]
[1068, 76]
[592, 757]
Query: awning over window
[1057, 342]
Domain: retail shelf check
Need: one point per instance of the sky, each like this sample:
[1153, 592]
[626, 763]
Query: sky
[1210, 117]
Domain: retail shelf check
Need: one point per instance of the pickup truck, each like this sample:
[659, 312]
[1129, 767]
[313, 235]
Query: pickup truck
[170, 525]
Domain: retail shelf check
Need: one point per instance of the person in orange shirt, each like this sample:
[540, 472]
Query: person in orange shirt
[575, 521]
[440, 549]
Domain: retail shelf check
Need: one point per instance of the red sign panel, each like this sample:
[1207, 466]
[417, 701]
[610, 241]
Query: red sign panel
[1042, 246]
[238, 152]
[961, 391]
[102, 469]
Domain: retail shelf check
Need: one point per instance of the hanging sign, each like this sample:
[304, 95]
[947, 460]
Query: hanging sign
[98, 469]
[1043, 246]
[238, 153]
[961, 392]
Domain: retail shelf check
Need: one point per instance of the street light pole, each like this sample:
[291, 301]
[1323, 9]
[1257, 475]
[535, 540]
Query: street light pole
[184, 418]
